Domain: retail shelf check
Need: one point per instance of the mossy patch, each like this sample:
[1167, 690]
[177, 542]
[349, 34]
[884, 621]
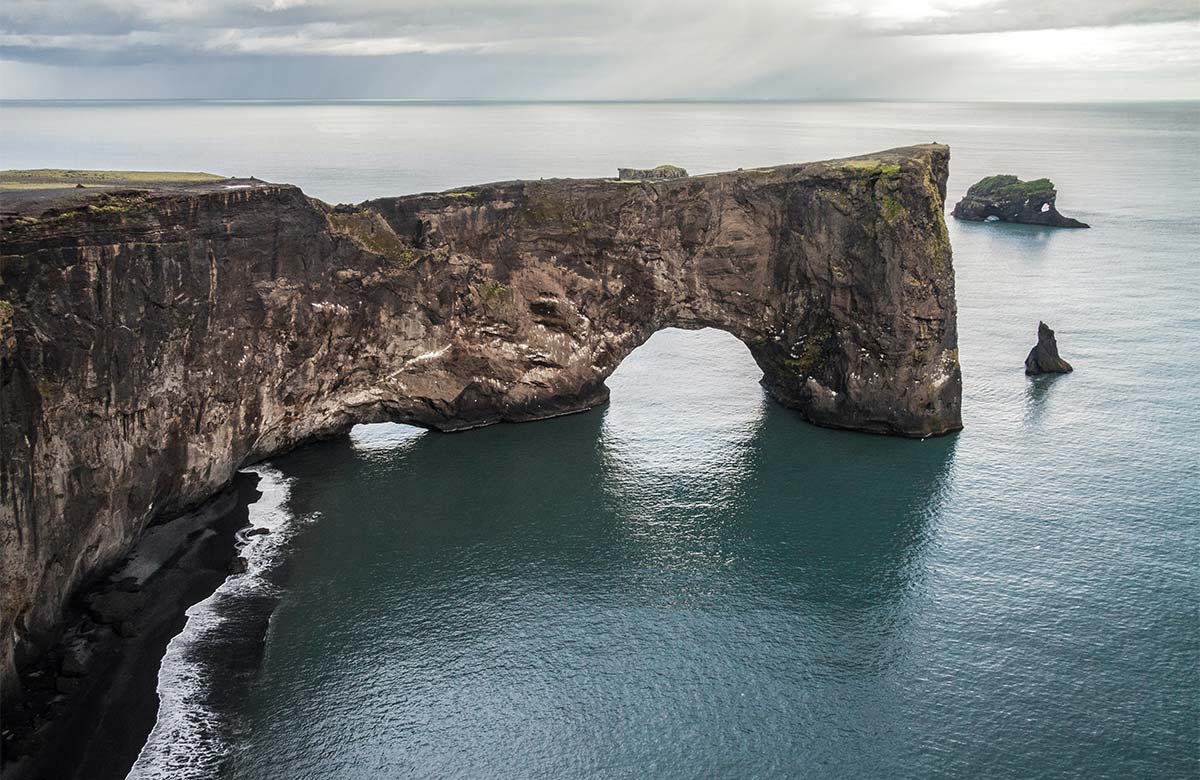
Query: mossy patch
[889, 170]
[812, 355]
[8, 338]
[372, 232]
[493, 290]
[893, 208]
[496, 298]
[1008, 187]
[101, 210]
[862, 165]
[115, 207]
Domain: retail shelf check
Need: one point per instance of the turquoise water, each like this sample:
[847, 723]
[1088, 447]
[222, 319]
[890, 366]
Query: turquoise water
[692, 582]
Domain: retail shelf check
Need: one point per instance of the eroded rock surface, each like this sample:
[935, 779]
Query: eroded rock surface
[1008, 199]
[155, 341]
[1044, 358]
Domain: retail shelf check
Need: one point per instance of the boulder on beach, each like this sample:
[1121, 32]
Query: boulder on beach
[1006, 198]
[1044, 358]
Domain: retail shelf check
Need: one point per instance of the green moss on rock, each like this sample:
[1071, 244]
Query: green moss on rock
[492, 290]
[893, 208]
[8, 338]
[1008, 187]
[372, 232]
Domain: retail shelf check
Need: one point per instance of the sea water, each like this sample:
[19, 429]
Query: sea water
[691, 581]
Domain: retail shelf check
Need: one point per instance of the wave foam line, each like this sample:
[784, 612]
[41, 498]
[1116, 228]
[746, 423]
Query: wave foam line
[187, 739]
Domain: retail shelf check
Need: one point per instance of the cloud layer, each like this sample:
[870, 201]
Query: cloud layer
[598, 48]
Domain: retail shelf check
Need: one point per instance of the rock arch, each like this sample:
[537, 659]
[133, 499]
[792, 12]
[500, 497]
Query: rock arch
[836, 275]
[153, 342]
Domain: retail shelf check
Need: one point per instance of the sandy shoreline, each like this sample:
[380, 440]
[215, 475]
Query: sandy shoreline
[91, 701]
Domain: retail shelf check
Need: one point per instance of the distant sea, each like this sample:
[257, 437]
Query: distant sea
[692, 582]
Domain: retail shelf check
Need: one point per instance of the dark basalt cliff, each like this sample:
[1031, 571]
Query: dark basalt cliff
[153, 342]
[1008, 199]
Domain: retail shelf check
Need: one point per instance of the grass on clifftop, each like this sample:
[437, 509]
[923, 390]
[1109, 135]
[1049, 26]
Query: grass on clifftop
[1008, 187]
[53, 178]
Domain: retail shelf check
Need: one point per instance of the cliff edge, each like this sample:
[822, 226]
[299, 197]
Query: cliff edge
[153, 341]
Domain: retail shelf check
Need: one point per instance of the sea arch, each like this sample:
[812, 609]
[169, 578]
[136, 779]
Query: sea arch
[153, 342]
[836, 275]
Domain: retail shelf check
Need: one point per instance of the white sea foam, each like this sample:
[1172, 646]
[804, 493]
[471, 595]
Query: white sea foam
[384, 437]
[187, 739]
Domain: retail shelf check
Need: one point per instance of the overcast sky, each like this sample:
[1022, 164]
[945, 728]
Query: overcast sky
[601, 49]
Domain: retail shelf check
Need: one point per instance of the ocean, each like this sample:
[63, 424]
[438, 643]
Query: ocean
[691, 581]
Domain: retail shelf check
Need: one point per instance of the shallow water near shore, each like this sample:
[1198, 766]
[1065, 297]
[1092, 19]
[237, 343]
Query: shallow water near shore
[691, 581]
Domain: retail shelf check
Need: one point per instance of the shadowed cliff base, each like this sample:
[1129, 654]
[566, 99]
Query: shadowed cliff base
[154, 340]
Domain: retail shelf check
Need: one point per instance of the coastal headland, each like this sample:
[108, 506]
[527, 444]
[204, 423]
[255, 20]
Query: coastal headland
[156, 337]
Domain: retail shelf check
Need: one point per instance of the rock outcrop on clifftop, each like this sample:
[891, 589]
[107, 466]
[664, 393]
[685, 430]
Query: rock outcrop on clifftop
[1008, 199]
[155, 341]
[1043, 358]
[651, 174]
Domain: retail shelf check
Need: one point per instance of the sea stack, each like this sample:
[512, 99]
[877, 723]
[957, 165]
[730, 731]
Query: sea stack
[1008, 199]
[1043, 358]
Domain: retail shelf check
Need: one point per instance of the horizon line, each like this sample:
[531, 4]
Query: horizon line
[583, 101]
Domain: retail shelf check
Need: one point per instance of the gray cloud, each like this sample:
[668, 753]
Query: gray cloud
[580, 48]
[990, 16]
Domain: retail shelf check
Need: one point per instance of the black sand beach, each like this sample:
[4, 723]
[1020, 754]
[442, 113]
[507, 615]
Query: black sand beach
[89, 718]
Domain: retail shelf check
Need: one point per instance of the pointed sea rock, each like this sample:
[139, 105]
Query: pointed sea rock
[1043, 358]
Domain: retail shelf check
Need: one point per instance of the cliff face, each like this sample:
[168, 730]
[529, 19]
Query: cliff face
[153, 342]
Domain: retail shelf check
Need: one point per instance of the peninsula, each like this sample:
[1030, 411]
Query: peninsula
[154, 339]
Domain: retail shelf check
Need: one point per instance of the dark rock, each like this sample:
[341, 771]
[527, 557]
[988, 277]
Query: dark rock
[260, 531]
[1043, 358]
[128, 585]
[1008, 199]
[115, 606]
[127, 628]
[238, 565]
[504, 302]
[652, 174]
[66, 684]
[75, 661]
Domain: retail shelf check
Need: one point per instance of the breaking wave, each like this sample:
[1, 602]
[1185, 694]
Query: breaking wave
[191, 738]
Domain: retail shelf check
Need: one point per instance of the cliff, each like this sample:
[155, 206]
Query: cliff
[1008, 199]
[154, 341]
